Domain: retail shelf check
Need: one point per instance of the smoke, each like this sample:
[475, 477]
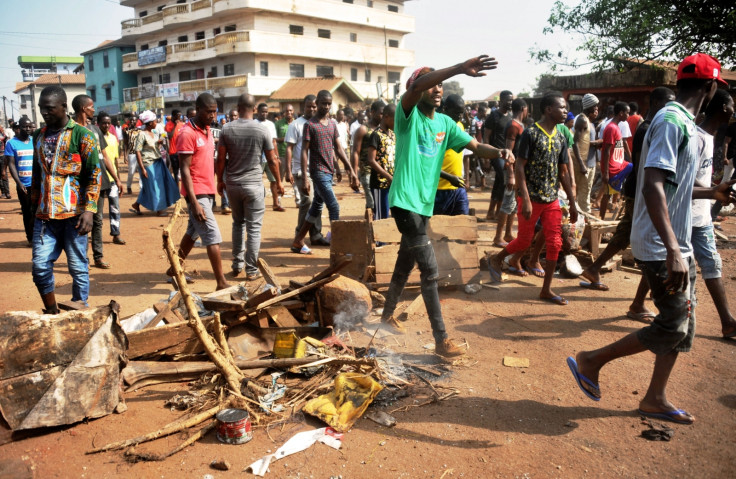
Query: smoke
[349, 315]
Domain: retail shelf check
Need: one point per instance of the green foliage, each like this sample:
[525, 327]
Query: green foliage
[642, 30]
[452, 87]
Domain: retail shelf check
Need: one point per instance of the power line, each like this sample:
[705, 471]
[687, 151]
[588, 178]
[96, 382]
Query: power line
[55, 34]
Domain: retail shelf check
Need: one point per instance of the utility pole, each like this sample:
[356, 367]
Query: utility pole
[12, 111]
[385, 47]
[5, 112]
[33, 103]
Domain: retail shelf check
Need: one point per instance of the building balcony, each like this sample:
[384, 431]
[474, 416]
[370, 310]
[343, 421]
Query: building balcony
[291, 46]
[330, 11]
[228, 86]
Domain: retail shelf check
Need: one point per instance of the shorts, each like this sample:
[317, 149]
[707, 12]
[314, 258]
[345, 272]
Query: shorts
[705, 252]
[616, 182]
[452, 202]
[207, 230]
[509, 205]
[673, 329]
[269, 175]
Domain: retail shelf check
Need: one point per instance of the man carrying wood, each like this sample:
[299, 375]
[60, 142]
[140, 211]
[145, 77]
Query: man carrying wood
[422, 137]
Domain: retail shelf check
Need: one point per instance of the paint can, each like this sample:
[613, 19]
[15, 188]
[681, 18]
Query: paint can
[233, 426]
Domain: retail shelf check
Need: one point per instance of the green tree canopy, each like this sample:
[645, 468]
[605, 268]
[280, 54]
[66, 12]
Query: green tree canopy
[450, 87]
[642, 30]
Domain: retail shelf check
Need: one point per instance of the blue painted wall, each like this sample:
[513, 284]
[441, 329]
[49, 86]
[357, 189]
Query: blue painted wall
[99, 75]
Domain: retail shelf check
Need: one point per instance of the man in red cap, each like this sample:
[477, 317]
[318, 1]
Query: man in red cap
[660, 240]
[422, 137]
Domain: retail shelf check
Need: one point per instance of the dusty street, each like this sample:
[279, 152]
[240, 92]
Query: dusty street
[506, 422]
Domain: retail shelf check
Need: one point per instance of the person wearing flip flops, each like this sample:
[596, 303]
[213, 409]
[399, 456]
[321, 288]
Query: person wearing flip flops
[242, 144]
[541, 168]
[422, 137]
[660, 241]
[638, 311]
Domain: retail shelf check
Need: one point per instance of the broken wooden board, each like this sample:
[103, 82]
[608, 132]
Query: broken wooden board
[169, 340]
[166, 312]
[268, 275]
[60, 369]
[282, 317]
[352, 237]
[448, 228]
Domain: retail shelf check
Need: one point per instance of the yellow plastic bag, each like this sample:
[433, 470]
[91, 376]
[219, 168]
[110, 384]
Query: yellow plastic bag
[340, 408]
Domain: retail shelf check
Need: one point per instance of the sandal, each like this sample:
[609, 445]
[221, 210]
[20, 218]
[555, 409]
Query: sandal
[118, 240]
[102, 264]
[303, 250]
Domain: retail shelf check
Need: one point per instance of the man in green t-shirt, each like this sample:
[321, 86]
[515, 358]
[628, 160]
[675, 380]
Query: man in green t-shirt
[282, 126]
[422, 137]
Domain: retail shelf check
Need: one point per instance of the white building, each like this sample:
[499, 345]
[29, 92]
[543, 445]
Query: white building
[228, 47]
[30, 92]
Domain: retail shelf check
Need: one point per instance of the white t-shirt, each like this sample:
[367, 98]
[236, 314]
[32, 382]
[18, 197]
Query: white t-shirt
[294, 136]
[701, 208]
[342, 131]
[625, 129]
[271, 127]
[354, 127]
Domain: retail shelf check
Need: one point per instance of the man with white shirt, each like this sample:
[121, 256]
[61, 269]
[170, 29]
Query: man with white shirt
[294, 173]
[263, 119]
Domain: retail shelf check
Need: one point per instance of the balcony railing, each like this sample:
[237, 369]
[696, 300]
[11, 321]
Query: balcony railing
[232, 37]
[146, 91]
[175, 10]
[152, 18]
[131, 23]
[200, 4]
[188, 46]
[227, 82]
[130, 57]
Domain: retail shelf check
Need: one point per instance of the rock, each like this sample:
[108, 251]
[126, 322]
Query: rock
[472, 288]
[512, 362]
[381, 417]
[220, 465]
[345, 302]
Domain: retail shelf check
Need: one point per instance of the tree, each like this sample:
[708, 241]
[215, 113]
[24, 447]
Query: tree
[642, 30]
[451, 87]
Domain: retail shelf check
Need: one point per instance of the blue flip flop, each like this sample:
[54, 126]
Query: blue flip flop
[668, 415]
[518, 271]
[597, 286]
[496, 276]
[579, 378]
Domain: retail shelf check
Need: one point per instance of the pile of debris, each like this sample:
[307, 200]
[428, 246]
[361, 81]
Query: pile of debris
[267, 349]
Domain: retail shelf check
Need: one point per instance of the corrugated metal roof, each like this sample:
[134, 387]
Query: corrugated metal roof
[297, 88]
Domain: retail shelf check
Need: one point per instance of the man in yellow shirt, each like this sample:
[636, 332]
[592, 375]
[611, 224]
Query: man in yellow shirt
[452, 197]
[113, 153]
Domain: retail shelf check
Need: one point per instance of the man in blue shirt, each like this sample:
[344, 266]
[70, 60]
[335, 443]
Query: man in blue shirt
[19, 156]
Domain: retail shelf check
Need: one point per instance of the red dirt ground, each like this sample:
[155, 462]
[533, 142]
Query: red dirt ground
[506, 422]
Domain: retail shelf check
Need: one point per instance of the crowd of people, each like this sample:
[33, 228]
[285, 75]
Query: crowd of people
[413, 159]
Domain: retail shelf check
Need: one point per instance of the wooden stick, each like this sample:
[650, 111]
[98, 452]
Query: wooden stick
[220, 337]
[157, 457]
[232, 374]
[268, 275]
[171, 428]
[333, 269]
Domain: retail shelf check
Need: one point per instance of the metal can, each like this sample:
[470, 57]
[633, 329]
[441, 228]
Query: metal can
[233, 426]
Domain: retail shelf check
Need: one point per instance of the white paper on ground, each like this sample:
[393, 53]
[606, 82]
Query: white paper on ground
[298, 442]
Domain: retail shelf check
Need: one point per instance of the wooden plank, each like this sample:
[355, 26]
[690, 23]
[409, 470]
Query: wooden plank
[332, 269]
[296, 292]
[176, 338]
[268, 275]
[261, 297]
[282, 317]
[415, 306]
[447, 278]
[350, 237]
[385, 231]
[223, 305]
[449, 256]
[452, 228]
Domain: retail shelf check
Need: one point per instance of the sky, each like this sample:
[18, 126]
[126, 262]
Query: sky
[443, 37]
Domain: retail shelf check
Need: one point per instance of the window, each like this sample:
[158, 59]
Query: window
[91, 64]
[105, 60]
[296, 70]
[160, 7]
[144, 47]
[93, 95]
[145, 80]
[163, 43]
[165, 78]
[108, 94]
[367, 74]
[199, 36]
[353, 37]
[213, 72]
[229, 69]
[142, 13]
[216, 31]
[393, 8]
[181, 1]
[324, 71]
[296, 29]
[370, 4]
[182, 38]
[322, 33]
[393, 43]
[347, 1]
[264, 69]
[353, 74]
[229, 28]
[394, 77]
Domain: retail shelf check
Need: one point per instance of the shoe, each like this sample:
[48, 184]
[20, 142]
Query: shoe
[320, 242]
[278, 208]
[252, 277]
[226, 210]
[130, 191]
[393, 326]
[236, 272]
[448, 349]
[118, 240]
[102, 264]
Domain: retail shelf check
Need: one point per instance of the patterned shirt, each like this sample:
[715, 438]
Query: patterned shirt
[543, 152]
[321, 140]
[385, 145]
[66, 173]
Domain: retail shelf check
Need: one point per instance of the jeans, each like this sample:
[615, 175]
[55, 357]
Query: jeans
[323, 195]
[4, 183]
[365, 182]
[50, 238]
[248, 203]
[499, 184]
[224, 199]
[304, 202]
[97, 226]
[27, 211]
[416, 249]
[114, 210]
